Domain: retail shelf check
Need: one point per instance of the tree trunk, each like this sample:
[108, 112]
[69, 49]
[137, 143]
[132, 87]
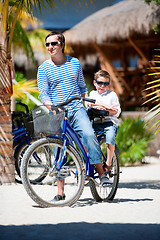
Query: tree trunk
[7, 166]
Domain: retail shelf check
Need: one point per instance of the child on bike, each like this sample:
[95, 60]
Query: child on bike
[106, 100]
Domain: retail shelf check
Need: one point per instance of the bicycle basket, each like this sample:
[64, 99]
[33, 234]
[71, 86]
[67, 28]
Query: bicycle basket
[45, 122]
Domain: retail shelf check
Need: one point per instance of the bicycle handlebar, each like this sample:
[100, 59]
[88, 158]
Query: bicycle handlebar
[96, 112]
[24, 105]
[76, 98]
[92, 111]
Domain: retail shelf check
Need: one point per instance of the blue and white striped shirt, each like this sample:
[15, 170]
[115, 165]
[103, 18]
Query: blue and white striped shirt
[58, 83]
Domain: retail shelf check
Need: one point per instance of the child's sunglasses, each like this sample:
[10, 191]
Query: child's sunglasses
[52, 43]
[102, 83]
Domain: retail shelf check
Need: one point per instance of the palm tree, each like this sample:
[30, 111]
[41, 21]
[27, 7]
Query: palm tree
[8, 20]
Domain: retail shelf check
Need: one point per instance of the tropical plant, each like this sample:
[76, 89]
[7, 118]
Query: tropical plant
[132, 139]
[155, 1]
[155, 27]
[154, 94]
[21, 87]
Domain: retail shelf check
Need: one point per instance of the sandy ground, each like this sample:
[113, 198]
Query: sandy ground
[133, 214]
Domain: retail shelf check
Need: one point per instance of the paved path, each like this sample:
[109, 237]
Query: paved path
[133, 214]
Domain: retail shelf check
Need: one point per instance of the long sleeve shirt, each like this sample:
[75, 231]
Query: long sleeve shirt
[58, 83]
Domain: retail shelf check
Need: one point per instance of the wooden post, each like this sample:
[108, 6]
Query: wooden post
[139, 51]
[112, 70]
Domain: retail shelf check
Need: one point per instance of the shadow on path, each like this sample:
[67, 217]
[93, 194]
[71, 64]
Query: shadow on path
[82, 230]
[140, 185]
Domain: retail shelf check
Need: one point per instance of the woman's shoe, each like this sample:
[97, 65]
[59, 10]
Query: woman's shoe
[58, 198]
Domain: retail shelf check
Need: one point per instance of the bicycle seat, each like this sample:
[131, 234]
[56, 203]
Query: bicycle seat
[93, 112]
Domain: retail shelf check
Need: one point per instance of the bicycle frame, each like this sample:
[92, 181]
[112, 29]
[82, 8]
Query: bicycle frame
[20, 132]
[70, 135]
[21, 136]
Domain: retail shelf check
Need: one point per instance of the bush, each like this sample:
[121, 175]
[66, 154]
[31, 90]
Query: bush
[132, 139]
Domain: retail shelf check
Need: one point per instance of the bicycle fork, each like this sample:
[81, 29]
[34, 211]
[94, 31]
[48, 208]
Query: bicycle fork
[57, 171]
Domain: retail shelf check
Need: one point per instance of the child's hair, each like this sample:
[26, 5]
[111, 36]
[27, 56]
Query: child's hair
[101, 73]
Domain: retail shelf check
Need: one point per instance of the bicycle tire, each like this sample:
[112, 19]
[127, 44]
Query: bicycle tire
[43, 193]
[18, 158]
[19, 153]
[100, 193]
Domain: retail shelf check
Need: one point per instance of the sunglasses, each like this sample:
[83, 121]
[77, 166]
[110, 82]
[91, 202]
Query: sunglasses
[52, 43]
[102, 83]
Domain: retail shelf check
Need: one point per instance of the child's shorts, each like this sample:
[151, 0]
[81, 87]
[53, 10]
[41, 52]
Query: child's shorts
[110, 130]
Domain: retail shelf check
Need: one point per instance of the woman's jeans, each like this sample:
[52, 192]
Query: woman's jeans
[81, 124]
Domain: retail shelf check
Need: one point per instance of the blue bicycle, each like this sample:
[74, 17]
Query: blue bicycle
[22, 131]
[60, 155]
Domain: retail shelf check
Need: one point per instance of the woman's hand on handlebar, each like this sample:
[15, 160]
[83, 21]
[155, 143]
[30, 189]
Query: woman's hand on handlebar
[51, 107]
[48, 105]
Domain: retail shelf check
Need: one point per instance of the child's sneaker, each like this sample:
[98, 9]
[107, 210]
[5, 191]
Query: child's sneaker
[105, 181]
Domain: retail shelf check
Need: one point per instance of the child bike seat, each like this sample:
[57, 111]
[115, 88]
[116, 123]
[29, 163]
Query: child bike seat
[93, 112]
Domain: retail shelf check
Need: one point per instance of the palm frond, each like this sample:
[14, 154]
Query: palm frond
[152, 93]
[152, 74]
[156, 124]
[5, 14]
[27, 20]
[21, 87]
[158, 80]
[154, 112]
[154, 67]
[158, 85]
[156, 61]
[36, 5]
[153, 99]
[20, 39]
[37, 37]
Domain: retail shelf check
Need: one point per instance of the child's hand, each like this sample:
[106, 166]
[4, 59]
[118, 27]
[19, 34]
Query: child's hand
[98, 106]
[111, 108]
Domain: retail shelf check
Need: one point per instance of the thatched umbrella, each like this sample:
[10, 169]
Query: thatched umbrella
[118, 22]
[118, 32]
[112, 27]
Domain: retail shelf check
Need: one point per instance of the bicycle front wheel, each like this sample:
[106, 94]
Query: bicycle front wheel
[100, 193]
[43, 192]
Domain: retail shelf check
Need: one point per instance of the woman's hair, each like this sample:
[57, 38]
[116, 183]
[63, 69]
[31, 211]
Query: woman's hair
[61, 38]
[101, 73]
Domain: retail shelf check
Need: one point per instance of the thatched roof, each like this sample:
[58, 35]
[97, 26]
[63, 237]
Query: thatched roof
[119, 21]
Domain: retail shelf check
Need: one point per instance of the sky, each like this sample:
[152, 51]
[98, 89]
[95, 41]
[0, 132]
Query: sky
[67, 15]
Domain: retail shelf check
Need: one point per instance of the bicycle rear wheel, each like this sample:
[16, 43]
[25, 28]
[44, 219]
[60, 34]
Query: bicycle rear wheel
[43, 192]
[100, 193]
